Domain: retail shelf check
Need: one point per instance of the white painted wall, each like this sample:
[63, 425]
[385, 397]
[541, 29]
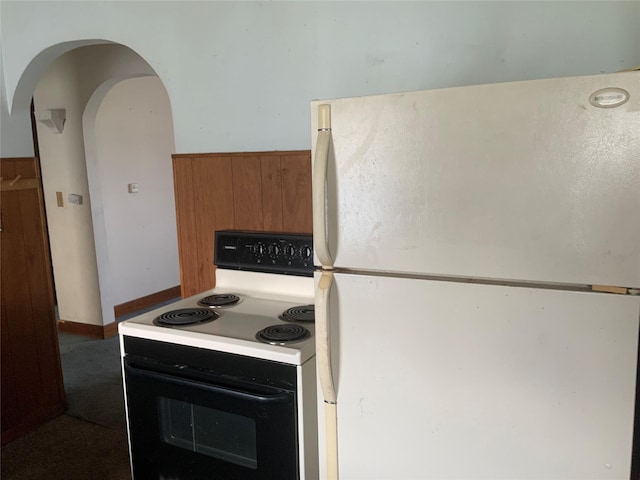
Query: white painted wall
[134, 142]
[63, 170]
[89, 282]
[240, 75]
[15, 138]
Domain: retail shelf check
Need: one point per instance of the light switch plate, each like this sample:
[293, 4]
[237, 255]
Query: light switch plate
[75, 198]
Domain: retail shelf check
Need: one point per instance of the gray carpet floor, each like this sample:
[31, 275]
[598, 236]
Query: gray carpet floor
[93, 379]
[93, 376]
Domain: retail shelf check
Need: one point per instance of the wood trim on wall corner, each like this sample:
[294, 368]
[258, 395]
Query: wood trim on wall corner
[110, 330]
[17, 159]
[146, 302]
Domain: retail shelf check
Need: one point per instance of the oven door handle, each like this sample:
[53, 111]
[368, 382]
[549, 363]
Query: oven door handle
[236, 393]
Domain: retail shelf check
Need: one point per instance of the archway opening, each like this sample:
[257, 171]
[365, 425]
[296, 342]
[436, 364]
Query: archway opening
[85, 161]
[118, 129]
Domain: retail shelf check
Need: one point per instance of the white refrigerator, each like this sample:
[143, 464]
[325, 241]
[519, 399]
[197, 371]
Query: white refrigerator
[477, 296]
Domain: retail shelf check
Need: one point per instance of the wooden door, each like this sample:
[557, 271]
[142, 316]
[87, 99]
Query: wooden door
[265, 191]
[32, 386]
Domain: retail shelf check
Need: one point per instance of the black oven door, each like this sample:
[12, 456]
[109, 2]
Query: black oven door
[190, 425]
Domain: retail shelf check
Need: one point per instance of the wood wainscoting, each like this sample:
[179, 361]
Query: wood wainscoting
[32, 386]
[260, 191]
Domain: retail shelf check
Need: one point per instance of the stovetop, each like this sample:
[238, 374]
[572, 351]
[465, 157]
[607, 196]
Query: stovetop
[263, 299]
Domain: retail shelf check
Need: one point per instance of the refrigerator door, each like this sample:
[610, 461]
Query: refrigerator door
[443, 380]
[525, 181]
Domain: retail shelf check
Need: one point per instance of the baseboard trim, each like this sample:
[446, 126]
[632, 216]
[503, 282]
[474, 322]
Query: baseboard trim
[85, 329]
[146, 302]
[111, 329]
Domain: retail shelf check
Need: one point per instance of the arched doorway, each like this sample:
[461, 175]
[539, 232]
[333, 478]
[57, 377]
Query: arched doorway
[83, 266]
[79, 77]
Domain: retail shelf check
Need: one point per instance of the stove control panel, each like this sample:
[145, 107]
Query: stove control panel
[264, 252]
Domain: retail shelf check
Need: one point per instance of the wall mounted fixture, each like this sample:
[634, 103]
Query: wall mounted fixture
[74, 198]
[53, 118]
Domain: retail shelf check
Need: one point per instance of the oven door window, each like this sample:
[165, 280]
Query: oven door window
[190, 428]
[216, 433]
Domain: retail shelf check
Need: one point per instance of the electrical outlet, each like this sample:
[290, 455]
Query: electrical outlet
[133, 188]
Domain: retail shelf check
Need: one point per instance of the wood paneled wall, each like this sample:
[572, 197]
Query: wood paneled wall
[32, 387]
[262, 191]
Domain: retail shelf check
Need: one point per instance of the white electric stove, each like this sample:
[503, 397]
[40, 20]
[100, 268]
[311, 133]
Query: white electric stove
[263, 299]
[223, 383]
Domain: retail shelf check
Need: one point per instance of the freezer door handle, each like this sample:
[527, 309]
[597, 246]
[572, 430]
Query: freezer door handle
[323, 336]
[319, 186]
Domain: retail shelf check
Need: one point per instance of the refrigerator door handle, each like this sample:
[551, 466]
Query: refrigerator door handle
[321, 162]
[323, 338]
[325, 373]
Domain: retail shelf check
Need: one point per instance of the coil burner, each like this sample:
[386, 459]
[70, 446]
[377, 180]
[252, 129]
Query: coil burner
[185, 316]
[303, 313]
[283, 334]
[219, 300]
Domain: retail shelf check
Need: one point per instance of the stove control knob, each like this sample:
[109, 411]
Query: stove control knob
[306, 251]
[290, 250]
[275, 249]
[258, 249]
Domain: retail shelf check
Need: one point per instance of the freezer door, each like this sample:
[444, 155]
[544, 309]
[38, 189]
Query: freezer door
[523, 181]
[443, 380]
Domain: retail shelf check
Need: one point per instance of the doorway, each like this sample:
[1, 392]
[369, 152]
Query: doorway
[76, 165]
[118, 132]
